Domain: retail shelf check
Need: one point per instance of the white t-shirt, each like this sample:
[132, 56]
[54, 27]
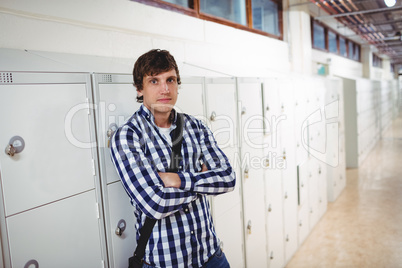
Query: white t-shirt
[165, 131]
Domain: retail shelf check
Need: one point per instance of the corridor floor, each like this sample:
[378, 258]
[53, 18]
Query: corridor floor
[363, 227]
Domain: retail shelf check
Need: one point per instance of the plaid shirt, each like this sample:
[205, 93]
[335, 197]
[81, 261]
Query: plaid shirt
[184, 235]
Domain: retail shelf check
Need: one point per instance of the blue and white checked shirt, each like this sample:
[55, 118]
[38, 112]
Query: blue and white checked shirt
[184, 235]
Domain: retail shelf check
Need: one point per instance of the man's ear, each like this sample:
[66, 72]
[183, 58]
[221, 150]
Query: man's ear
[139, 93]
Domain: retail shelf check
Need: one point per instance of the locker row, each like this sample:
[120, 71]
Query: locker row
[62, 201]
[370, 108]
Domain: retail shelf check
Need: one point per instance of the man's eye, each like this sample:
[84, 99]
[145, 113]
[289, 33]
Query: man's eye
[154, 81]
[171, 80]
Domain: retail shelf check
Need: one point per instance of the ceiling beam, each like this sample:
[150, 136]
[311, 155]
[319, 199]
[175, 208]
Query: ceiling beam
[377, 10]
[367, 24]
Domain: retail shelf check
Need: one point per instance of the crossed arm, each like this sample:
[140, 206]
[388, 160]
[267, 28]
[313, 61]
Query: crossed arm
[159, 194]
[172, 179]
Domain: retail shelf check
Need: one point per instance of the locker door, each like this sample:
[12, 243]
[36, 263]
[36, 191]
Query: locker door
[49, 186]
[289, 172]
[121, 226]
[61, 234]
[301, 123]
[227, 208]
[271, 101]
[56, 162]
[115, 102]
[274, 203]
[315, 172]
[250, 114]
[191, 98]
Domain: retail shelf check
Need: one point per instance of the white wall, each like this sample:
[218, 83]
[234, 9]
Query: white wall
[126, 29]
[338, 66]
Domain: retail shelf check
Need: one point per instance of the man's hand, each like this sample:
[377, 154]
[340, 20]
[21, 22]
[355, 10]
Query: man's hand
[204, 168]
[172, 179]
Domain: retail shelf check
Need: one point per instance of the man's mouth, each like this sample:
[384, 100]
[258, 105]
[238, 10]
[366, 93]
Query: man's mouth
[165, 100]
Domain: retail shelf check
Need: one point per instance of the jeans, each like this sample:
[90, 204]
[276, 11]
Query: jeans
[218, 260]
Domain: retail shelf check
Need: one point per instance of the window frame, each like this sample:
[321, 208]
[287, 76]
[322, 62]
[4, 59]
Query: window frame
[325, 37]
[377, 61]
[336, 40]
[349, 54]
[195, 12]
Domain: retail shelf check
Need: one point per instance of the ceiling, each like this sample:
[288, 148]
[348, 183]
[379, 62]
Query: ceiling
[372, 21]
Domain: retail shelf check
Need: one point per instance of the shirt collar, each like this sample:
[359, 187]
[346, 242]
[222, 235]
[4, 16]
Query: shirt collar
[146, 113]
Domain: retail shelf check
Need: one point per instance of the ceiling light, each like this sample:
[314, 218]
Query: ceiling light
[390, 3]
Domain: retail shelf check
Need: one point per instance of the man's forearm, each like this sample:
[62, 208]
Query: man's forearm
[172, 179]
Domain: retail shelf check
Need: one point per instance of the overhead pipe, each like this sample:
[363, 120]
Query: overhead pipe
[359, 12]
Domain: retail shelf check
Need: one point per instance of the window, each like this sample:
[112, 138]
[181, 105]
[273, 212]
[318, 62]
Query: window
[377, 61]
[356, 55]
[319, 36]
[332, 42]
[265, 16]
[342, 47]
[233, 10]
[326, 39]
[350, 50]
[183, 3]
[259, 16]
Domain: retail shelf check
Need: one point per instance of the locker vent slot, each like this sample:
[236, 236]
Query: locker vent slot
[107, 78]
[6, 78]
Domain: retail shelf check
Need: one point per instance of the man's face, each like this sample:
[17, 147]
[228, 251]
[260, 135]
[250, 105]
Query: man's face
[160, 92]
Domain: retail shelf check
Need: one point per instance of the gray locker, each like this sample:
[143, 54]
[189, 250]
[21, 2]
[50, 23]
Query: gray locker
[191, 97]
[115, 102]
[221, 109]
[273, 174]
[289, 172]
[251, 147]
[50, 196]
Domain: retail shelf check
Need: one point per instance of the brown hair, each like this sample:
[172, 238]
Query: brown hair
[153, 62]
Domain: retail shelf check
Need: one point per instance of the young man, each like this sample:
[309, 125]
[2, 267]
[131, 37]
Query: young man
[184, 234]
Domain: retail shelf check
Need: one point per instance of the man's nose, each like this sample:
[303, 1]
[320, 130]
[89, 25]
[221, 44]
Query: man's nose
[164, 88]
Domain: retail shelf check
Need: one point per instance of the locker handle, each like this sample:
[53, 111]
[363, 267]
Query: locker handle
[266, 162]
[10, 150]
[15, 146]
[213, 116]
[246, 172]
[31, 262]
[243, 111]
[249, 226]
[121, 226]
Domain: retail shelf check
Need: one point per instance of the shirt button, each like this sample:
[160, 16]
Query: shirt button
[192, 232]
[186, 210]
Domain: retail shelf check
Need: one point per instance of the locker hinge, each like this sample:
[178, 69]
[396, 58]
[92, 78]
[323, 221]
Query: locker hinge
[93, 168]
[103, 264]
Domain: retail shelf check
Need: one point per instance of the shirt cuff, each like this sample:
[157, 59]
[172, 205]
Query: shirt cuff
[187, 181]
